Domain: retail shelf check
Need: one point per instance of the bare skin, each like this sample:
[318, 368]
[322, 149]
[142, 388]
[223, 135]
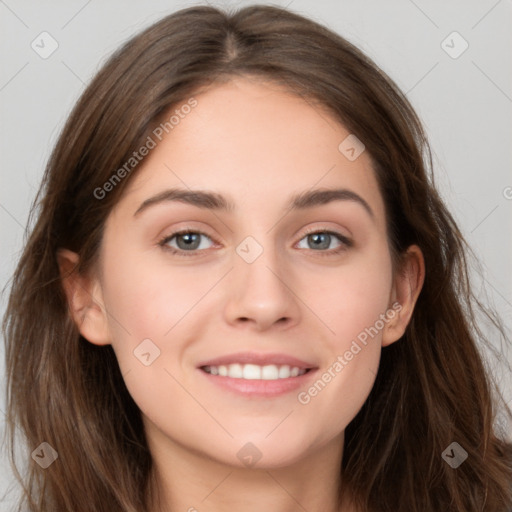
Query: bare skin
[257, 145]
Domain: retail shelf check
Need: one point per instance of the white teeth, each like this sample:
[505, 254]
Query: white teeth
[270, 372]
[284, 372]
[235, 371]
[255, 372]
[250, 371]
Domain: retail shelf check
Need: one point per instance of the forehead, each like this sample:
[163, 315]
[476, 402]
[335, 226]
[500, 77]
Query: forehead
[255, 143]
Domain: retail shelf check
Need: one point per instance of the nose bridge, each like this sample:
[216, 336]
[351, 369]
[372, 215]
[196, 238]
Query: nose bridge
[258, 261]
[261, 290]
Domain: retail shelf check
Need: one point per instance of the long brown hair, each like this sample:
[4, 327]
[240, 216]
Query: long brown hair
[432, 387]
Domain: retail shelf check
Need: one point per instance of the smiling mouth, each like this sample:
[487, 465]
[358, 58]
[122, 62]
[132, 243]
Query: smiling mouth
[255, 372]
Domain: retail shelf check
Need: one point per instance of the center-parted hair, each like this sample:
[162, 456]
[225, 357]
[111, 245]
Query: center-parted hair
[431, 388]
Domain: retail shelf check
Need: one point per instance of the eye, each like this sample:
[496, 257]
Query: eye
[185, 240]
[189, 241]
[320, 240]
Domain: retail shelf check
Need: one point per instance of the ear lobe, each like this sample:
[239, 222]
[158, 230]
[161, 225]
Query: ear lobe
[84, 298]
[407, 286]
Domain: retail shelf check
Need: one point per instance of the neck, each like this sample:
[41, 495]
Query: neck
[188, 481]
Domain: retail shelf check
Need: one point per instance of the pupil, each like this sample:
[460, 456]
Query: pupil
[189, 239]
[317, 238]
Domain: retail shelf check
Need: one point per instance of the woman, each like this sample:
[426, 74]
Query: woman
[243, 291]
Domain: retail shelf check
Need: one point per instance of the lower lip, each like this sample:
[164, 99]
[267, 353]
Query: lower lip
[259, 387]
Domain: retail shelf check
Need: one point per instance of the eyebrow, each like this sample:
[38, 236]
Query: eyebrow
[214, 201]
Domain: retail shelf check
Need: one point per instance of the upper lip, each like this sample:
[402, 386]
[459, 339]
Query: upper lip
[258, 359]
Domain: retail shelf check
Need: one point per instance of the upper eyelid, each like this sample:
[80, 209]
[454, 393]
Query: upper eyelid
[325, 230]
[185, 231]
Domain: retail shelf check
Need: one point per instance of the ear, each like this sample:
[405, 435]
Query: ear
[85, 300]
[407, 284]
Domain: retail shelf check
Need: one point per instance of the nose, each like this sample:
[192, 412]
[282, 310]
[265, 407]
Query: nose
[261, 293]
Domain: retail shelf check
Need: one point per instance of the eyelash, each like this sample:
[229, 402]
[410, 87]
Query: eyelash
[346, 243]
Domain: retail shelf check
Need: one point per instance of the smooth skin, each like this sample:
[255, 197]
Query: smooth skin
[256, 144]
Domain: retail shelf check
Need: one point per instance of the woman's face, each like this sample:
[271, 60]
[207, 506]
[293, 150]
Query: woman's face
[251, 293]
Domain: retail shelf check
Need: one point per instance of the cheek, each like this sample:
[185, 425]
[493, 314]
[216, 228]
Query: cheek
[352, 298]
[354, 303]
[149, 301]
[144, 305]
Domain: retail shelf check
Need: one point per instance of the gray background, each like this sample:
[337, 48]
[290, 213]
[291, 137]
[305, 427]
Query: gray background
[464, 102]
